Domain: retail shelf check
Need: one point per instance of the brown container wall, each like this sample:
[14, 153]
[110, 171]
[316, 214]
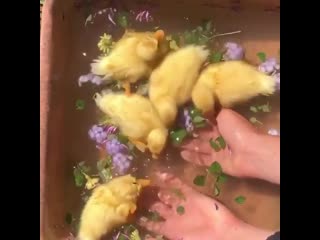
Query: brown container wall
[63, 37]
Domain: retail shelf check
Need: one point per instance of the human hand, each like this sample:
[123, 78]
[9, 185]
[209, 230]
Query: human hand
[248, 153]
[190, 215]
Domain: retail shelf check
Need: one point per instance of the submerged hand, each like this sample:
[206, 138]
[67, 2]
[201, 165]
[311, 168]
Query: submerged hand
[248, 153]
[189, 215]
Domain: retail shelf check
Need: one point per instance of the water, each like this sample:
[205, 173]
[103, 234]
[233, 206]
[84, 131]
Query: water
[260, 32]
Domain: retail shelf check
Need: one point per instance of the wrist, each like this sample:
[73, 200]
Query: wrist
[229, 227]
[265, 158]
[248, 232]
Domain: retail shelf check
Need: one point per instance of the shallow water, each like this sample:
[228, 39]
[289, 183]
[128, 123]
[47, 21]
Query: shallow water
[260, 32]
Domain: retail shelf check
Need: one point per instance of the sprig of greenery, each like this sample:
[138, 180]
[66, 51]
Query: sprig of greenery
[80, 104]
[180, 210]
[218, 143]
[197, 118]
[240, 199]
[177, 136]
[255, 121]
[215, 57]
[214, 169]
[122, 19]
[262, 56]
[200, 35]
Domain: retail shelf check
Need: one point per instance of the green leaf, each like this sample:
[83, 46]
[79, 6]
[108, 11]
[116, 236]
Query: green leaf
[178, 136]
[122, 20]
[199, 29]
[255, 121]
[122, 237]
[215, 57]
[105, 174]
[179, 193]
[135, 235]
[154, 216]
[198, 119]
[130, 146]
[216, 191]
[69, 218]
[253, 109]
[265, 108]
[200, 125]
[202, 40]
[194, 112]
[199, 180]
[104, 163]
[79, 178]
[80, 104]
[208, 26]
[262, 56]
[173, 45]
[222, 178]
[240, 199]
[122, 138]
[180, 210]
[84, 168]
[221, 142]
[187, 36]
[215, 168]
[215, 145]
[176, 38]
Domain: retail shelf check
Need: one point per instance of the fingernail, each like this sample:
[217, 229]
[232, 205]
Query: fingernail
[160, 195]
[185, 155]
[142, 220]
[162, 175]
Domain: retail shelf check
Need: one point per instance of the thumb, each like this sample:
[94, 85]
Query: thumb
[235, 129]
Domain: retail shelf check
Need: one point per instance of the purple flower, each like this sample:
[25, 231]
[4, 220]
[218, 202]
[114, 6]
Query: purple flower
[111, 14]
[100, 133]
[110, 129]
[144, 16]
[89, 78]
[188, 121]
[233, 51]
[276, 78]
[121, 162]
[114, 147]
[273, 132]
[269, 66]
[97, 134]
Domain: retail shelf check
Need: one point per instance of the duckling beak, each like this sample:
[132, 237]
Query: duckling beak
[143, 182]
[159, 35]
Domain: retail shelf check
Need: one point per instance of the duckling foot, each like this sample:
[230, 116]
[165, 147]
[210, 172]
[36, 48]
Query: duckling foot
[127, 88]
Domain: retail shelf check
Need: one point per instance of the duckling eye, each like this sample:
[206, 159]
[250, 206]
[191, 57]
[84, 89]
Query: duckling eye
[95, 96]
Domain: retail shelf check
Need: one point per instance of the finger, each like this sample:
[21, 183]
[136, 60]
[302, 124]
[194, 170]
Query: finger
[162, 209]
[198, 158]
[169, 198]
[149, 238]
[148, 196]
[152, 226]
[205, 134]
[241, 127]
[198, 145]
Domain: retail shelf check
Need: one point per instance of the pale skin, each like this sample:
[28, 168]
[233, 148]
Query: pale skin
[249, 154]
